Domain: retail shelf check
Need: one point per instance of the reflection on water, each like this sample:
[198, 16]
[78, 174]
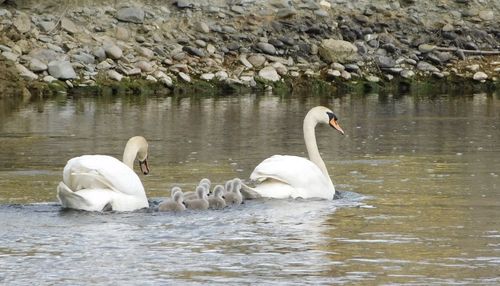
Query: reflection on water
[419, 177]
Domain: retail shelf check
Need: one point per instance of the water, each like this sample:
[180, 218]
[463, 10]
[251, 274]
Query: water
[418, 175]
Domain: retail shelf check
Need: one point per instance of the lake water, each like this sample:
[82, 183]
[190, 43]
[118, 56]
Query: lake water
[418, 176]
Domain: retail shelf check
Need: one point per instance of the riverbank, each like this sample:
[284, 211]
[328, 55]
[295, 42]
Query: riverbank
[204, 45]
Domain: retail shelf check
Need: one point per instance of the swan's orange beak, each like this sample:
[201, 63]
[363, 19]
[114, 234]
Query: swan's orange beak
[335, 124]
[144, 166]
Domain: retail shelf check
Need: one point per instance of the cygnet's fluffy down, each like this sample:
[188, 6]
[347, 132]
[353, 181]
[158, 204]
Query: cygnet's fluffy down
[217, 201]
[201, 203]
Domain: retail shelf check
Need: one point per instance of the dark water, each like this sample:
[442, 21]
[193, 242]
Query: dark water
[419, 177]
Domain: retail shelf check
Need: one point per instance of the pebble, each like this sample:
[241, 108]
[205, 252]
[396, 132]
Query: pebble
[372, 78]
[473, 68]
[245, 62]
[425, 48]
[266, 48]
[114, 75]
[345, 75]
[257, 60]
[480, 76]
[121, 33]
[69, 26]
[130, 14]
[113, 51]
[49, 78]
[37, 65]
[185, 77]
[221, 75]
[22, 22]
[202, 27]
[385, 62]
[151, 78]
[334, 73]
[269, 73]
[427, 67]
[144, 66]
[10, 56]
[61, 70]
[207, 76]
[407, 74]
[26, 73]
[332, 50]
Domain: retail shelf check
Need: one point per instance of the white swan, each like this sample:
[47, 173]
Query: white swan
[291, 176]
[98, 182]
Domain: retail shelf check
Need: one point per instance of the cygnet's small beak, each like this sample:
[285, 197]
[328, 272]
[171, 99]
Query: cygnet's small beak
[335, 124]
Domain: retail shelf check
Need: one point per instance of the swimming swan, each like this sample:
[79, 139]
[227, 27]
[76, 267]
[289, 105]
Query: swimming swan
[97, 182]
[287, 176]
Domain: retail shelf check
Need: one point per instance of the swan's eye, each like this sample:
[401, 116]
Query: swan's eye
[331, 116]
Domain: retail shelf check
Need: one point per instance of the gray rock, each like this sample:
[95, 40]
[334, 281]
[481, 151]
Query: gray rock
[133, 71]
[61, 70]
[144, 66]
[46, 55]
[384, 62]
[121, 33]
[69, 26]
[407, 73]
[269, 73]
[257, 60]
[238, 9]
[245, 62]
[352, 67]
[221, 75]
[113, 51]
[345, 75]
[22, 23]
[332, 50]
[425, 48]
[10, 56]
[321, 13]
[207, 76]
[185, 77]
[151, 78]
[194, 51]
[46, 26]
[26, 73]
[131, 14]
[337, 66]
[266, 48]
[185, 4]
[202, 27]
[487, 15]
[37, 66]
[84, 58]
[145, 52]
[200, 43]
[114, 75]
[5, 48]
[480, 76]
[286, 12]
[372, 78]
[49, 78]
[427, 67]
[99, 53]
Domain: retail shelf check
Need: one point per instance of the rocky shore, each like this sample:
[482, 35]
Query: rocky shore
[255, 44]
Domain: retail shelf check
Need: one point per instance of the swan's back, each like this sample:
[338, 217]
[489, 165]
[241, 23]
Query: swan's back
[100, 171]
[291, 176]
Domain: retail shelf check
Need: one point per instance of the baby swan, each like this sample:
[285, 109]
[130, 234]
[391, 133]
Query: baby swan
[176, 204]
[201, 203]
[234, 197]
[217, 201]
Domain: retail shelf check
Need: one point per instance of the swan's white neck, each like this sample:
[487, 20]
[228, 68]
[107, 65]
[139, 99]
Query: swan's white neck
[136, 146]
[310, 123]
[129, 155]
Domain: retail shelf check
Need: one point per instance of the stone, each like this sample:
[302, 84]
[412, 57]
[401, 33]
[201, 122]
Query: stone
[133, 71]
[425, 48]
[207, 76]
[104, 65]
[26, 73]
[407, 73]
[331, 50]
[269, 73]
[321, 13]
[211, 49]
[130, 14]
[238, 9]
[202, 27]
[200, 43]
[113, 51]
[345, 75]
[480, 76]
[286, 12]
[266, 48]
[37, 65]
[46, 26]
[221, 75]
[151, 78]
[185, 77]
[487, 15]
[281, 69]
[84, 58]
[427, 67]
[245, 62]
[333, 73]
[61, 70]
[194, 51]
[140, 39]
[448, 28]
[372, 78]
[114, 75]
[473, 68]
[337, 66]
[22, 23]
[49, 78]
[384, 62]
[10, 56]
[144, 66]
[69, 26]
[121, 33]
[145, 52]
[257, 60]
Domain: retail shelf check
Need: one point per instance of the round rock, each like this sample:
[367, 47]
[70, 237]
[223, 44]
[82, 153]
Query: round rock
[61, 70]
[269, 73]
[131, 14]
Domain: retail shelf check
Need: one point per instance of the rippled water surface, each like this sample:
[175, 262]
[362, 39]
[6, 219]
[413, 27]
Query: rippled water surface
[418, 176]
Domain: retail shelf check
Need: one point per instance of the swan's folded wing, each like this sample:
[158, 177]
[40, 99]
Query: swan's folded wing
[298, 172]
[99, 171]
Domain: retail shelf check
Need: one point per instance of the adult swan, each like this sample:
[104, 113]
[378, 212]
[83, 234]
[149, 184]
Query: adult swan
[291, 176]
[98, 182]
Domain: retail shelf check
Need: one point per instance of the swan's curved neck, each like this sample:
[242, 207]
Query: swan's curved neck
[129, 155]
[310, 123]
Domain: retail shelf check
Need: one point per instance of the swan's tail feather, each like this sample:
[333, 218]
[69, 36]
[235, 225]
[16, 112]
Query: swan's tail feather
[249, 193]
[98, 178]
[68, 198]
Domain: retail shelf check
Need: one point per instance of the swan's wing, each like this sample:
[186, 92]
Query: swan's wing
[299, 173]
[88, 200]
[99, 171]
